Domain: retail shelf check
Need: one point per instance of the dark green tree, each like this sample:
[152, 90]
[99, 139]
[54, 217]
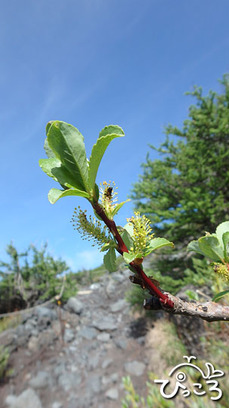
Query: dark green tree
[186, 191]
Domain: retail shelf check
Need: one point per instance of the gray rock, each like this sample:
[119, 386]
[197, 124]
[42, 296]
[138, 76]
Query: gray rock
[74, 305]
[59, 369]
[112, 394]
[118, 306]
[106, 363]
[121, 343]
[135, 368]
[41, 380]
[93, 362]
[45, 312]
[33, 344]
[10, 400]
[93, 384]
[69, 380]
[69, 335]
[88, 333]
[106, 380]
[107, 323]
[118, 277]
[27, 398]
[104, 337]
[57, 405]
[111, 288]
[95, 286]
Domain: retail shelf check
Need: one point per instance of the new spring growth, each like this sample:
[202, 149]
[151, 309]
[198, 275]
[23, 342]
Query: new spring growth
[223, 270]
[108, 197]
[142, 233]
[90, 228]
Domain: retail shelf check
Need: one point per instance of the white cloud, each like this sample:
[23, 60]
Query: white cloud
[87, 259]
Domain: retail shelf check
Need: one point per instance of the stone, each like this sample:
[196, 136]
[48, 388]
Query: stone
[107, 323]
[118, 277]
[27, 398]
[135, 368]
[95, 286]
[41, 380]
[93, 362]
[69, 380]
[119, 306]
[69, 335]
[111, 288]
[45, 312]
[88, 333]
[33, 344]
[57, 405]
[93, 384]
[106, 363]
[121, 343]
[74, 305]
[112, 394]
[104, 337]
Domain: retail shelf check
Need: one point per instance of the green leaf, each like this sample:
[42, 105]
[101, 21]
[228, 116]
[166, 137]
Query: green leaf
[211, 247]
[54, 194]
[195, 247]
[109, 260]
[157, 243]
[219, 295]
[118, 207]
[226, 245]
[105, 137]
[53, 168]
[48, 150]
[68, 145]
[130, 256]
[129, 228]
[221, 229]
[111, 129]
[127, 239]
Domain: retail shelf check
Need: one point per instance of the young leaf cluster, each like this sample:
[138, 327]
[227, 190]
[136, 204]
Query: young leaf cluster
[215, 247]
[140, 239]
[90, 228]
[67, 162]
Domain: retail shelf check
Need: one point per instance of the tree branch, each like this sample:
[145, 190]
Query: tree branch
[147, 282]
[209, 311]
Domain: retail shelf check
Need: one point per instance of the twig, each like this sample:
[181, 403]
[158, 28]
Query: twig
[209, 311]
[152, 288]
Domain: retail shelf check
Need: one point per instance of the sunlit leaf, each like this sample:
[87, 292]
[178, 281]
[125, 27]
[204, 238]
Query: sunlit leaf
[105, 137]
[219, 295]
[68, 145]
[109, 260]
[211, 247]
[157, 243]
[118, 207]
[54, 194]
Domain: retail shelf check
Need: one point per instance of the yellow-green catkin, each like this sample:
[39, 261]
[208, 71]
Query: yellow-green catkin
[90, 228]
[222, 269]
[108, 197]
[142, 232]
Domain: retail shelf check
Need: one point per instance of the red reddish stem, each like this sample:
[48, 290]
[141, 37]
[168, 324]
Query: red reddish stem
[153, 289]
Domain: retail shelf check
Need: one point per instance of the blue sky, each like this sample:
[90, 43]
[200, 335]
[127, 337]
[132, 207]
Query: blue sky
[93, 63]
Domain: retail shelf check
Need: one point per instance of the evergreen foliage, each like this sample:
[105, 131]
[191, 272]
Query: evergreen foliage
[186, 192]
[31, 277]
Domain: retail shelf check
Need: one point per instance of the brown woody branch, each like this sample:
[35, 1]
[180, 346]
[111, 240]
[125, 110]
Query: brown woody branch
[209, 311]
[148, 284]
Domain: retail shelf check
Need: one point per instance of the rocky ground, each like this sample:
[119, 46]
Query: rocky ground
[76, 356]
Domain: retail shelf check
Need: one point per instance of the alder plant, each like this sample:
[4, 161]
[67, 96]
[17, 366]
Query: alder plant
[68, 165]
